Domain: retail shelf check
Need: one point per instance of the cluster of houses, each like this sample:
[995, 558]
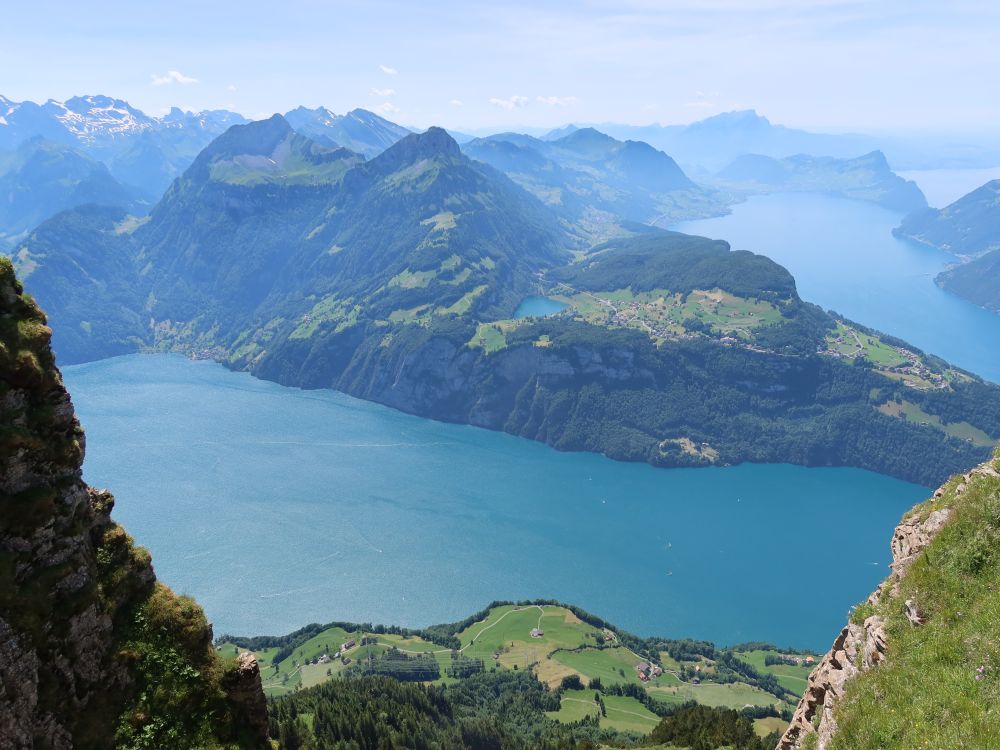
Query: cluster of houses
[799, 660]
[342, 653]
[648, 671]
[913, 366]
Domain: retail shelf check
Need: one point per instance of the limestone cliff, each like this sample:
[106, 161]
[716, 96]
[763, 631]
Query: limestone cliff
[911, 642]
[94, 652]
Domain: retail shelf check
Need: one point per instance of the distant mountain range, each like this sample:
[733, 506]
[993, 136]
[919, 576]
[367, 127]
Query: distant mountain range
[970, 229]
[147, 152]
[867, 178]
[141, 151]
[594, 180]
[710, 144]
[359, 130]
[397, 280]
[97, 149]
[591, 179]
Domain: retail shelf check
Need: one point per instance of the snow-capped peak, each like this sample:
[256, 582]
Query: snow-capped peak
[92, 118]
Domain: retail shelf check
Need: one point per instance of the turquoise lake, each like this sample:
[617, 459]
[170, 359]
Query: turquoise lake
[277, 507]
[538, 307]
[843, 257]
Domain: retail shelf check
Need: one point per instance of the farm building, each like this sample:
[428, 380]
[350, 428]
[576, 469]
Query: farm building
[349, 644]
[537, 632]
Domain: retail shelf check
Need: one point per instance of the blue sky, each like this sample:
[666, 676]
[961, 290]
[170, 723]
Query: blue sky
[823, 64]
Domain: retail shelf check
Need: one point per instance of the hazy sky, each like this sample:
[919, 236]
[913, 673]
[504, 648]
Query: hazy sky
[893, 65]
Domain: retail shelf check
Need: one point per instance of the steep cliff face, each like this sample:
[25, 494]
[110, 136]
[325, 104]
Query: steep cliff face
[917, 665]
[94, 652]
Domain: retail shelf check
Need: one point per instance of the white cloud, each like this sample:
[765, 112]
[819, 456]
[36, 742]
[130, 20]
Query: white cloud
[511, 103]
[386, 108]
[230, 87]
[172, 76]
[557, 101]
[383, 92]
[389, 71]
[456, 102]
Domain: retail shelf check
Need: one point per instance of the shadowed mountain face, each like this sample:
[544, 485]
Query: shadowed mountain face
[397, 279]
[41, 178]
[978, 280]
[969, 228]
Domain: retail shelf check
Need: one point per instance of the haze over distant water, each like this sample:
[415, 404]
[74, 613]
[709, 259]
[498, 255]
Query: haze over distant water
[843, 257]
[277, 507]
[945, 186]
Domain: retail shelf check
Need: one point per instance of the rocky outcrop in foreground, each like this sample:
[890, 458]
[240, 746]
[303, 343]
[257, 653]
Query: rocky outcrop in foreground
[94, 652]
[862, 644]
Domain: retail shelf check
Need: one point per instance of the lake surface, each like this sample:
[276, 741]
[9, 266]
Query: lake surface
[277, 507]
[844, 257]
[538, 307]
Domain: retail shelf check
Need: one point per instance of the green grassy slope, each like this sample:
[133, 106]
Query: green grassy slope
[939, 684]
